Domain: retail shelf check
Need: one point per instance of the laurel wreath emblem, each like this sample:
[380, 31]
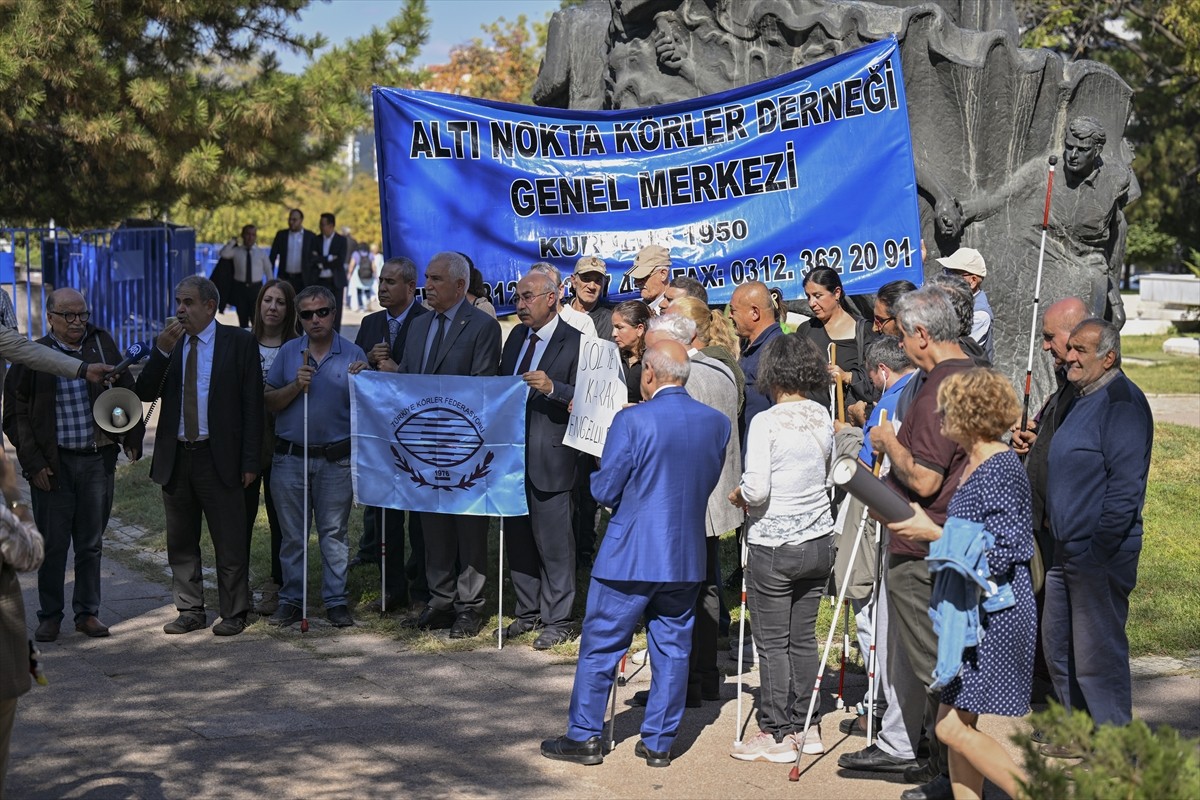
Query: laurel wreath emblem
[481, 470]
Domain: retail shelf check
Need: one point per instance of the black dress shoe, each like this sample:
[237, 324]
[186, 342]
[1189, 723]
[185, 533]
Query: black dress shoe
[185, 623]
[430, 619]
[854, 727]
[937, 789]
[872, 759]
[47, 630]
[563, 749]
[339, 617]
[466, 625]
[922, 773]
[91, 626]
[517, 628]
[548, 638]
[653, 757]
[285, 616]
[229, 627]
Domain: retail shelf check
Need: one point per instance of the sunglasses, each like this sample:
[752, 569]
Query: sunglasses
[320, 312]
[881, 321]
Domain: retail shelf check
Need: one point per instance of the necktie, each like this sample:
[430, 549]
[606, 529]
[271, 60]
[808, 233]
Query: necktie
[249, 265]
[191, 403]
[431, 357]
[393, 331]
[527, 359]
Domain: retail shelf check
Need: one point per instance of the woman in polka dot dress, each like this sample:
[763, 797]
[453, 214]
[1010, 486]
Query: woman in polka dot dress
[977, 408]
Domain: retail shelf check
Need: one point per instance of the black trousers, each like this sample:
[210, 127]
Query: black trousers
[245, 295]
[703, 675]
[455, 560]
[195, 489]
[263, 481]
[541, 559]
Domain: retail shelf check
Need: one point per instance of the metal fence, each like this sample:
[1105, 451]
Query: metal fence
[127, 274]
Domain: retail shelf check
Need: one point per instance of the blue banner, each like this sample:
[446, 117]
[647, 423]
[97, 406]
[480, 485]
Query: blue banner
[765, 182]
[444, 443]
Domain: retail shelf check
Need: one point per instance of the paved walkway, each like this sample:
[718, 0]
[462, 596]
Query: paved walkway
[355, 714]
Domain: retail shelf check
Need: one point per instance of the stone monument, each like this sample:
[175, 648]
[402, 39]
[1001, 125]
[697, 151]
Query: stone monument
[985, 115]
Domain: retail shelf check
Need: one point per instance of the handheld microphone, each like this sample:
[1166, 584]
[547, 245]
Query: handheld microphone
[135, 353]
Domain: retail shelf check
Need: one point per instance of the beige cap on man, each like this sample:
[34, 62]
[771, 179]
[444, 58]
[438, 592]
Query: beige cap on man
[648, 259]
[590, 264]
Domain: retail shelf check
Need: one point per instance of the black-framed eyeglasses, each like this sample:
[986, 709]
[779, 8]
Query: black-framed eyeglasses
[307, 314]
[72, 316]
[881, 321]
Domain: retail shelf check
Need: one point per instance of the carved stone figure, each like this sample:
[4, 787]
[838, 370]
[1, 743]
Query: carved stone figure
[984, 113]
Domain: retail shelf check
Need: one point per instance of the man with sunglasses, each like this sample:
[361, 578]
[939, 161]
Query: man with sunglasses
[318, 364]
[69, 461]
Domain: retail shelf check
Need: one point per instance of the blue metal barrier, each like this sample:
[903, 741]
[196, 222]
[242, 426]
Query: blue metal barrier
[128, 274]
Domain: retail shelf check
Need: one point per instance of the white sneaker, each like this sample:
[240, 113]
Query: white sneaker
[763, 747]
[639, 657]
[812, 742]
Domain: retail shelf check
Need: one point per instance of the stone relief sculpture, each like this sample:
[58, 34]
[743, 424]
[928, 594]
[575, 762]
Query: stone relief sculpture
[985, 114]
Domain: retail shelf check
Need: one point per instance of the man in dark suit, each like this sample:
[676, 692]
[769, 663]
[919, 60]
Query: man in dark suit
[207, 450]
[382, 336]
[544, 351]
[456, 339]
[293, 251]
[329, 264]
[661, 461]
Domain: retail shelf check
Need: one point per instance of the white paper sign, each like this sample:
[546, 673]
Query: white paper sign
[599, 394]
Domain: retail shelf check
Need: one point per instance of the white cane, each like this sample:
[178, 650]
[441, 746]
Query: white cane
[500, 592]
[794, 775]
[737, 732]
[304, 582]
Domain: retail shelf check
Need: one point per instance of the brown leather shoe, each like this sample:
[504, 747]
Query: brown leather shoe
[92, 627]
[47, 630]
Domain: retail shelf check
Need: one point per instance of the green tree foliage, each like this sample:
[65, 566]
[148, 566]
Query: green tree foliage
[1128, 762]
[1155, 46]
[502, 67]
[116, 107]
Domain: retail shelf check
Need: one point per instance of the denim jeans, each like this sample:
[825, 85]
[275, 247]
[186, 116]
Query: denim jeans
[74, 513]
[784, 586]
[330, 496]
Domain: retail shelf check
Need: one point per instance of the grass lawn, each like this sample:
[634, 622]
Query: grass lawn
[1162, 609]
[1168, 374]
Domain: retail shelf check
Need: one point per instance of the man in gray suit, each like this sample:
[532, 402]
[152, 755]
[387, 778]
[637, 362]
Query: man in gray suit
[544, 351]
[456, 339]
[713, 384]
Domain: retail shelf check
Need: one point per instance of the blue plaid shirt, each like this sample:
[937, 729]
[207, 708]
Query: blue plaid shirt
[73, 410]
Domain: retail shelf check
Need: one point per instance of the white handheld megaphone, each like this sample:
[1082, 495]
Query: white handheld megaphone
[118, 410]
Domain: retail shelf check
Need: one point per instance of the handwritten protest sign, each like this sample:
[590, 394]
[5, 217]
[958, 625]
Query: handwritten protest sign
[599, 394]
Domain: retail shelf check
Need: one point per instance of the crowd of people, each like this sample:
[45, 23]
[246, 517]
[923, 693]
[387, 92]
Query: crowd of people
[731, 424]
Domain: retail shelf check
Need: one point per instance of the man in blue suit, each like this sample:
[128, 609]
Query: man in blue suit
[661, 461]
